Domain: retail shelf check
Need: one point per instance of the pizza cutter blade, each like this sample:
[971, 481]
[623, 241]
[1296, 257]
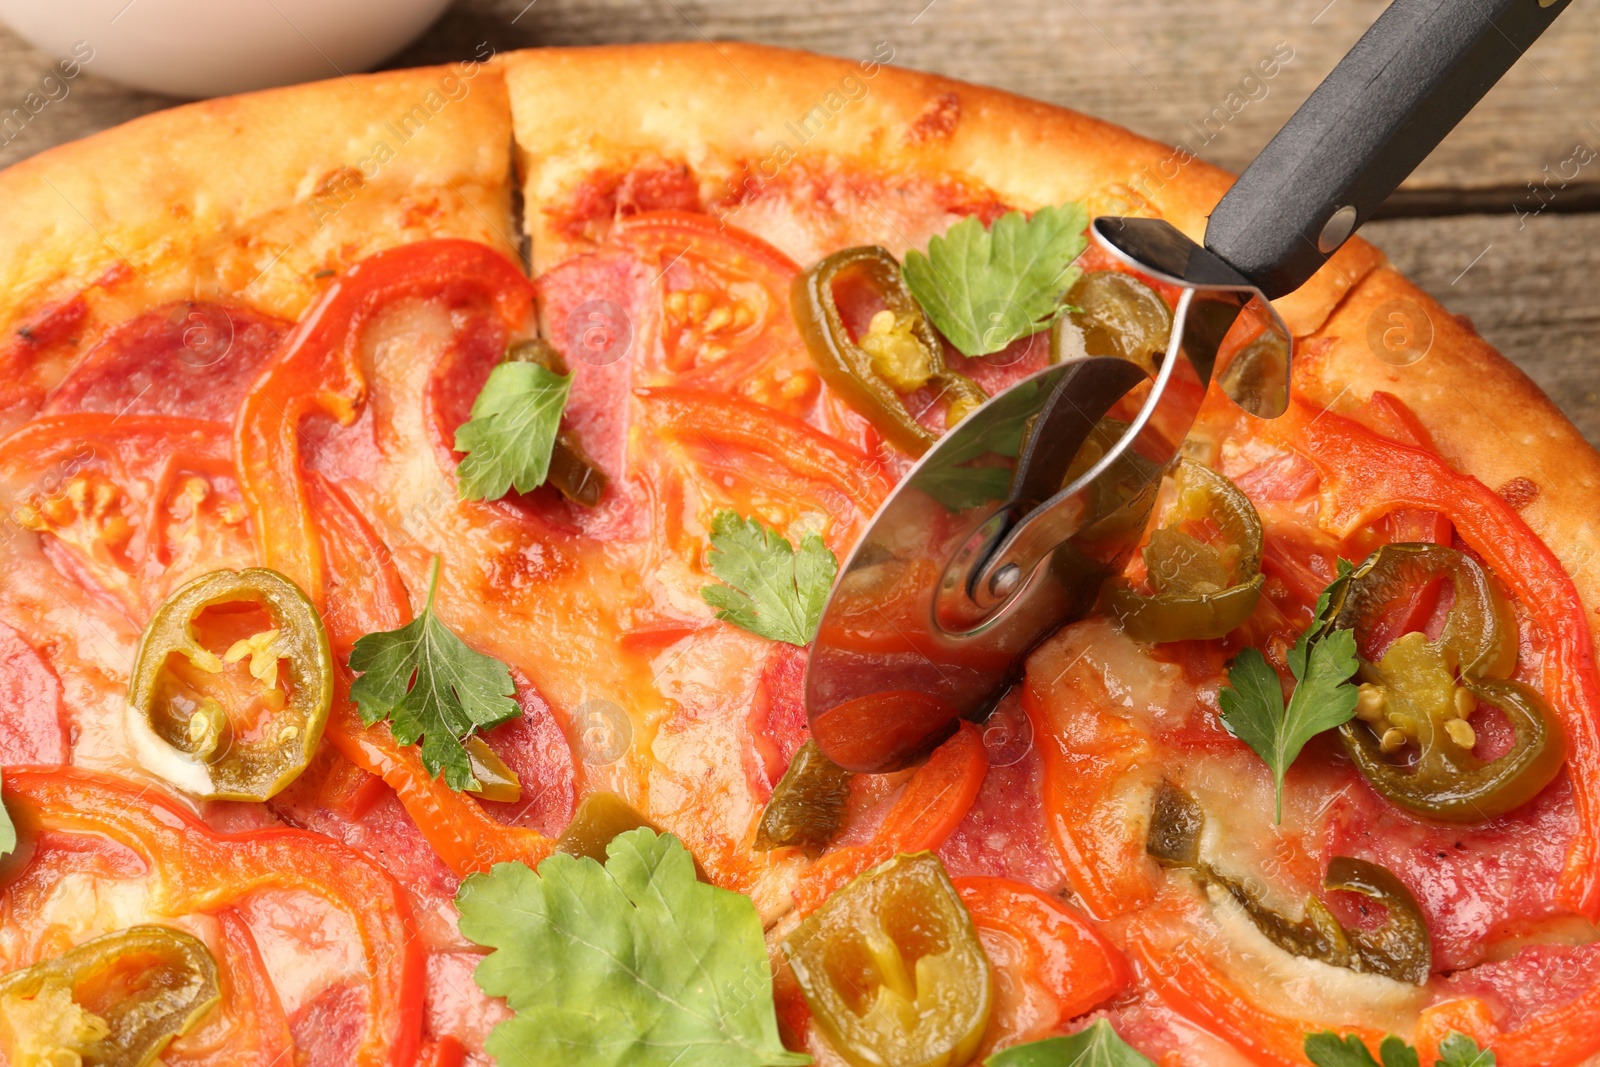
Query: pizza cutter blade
[1007, 526]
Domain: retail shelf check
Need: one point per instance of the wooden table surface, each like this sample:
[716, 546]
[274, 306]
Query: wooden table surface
[1501, 223]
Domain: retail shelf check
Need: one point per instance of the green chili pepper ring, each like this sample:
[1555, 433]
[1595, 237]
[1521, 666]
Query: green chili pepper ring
[848, 368]
[166, 980]
[199, 754]
[1400, 948]
[1445, 780]
[1182, 607]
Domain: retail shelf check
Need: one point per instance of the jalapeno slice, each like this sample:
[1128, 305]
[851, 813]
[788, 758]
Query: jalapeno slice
[1399, 948]
[240, 753]
[571, 471]
[1411, 739]
[1201, 589]
[807, 805]
[898, 354]
[1115, 314]
[599, 818]
[495, 780]
[117, 1000]
[892, 968]
[1176, 823]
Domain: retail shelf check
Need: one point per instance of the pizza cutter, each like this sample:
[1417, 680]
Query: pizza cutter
[1007, 526]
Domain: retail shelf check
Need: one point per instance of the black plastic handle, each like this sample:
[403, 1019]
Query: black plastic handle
[1410, 79]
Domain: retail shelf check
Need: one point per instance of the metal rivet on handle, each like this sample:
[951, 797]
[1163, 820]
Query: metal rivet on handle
[1340, 225]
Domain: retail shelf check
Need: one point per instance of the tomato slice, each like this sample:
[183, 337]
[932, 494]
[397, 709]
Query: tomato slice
[697, 415]
[1366, 476]
[725, 324]
[126, 496]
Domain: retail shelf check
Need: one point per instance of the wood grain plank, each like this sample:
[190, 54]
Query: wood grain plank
[1159, 67]
[1156, 66]
[1526, 284]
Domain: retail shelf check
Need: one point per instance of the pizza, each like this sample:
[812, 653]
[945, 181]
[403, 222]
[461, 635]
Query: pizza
[420, 493]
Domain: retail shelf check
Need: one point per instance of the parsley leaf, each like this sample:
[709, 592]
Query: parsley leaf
[1322, 615]
[1253, 708]
[1095, 1046]
[772, 590]
[456, 690]
[632, 963]
[1328, 1049]
[984, 289]
[1459, 1050]
[512, 431]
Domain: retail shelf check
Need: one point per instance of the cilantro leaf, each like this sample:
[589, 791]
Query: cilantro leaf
[772, 590]
[512, 431]
[1095, 1046]
[1253, 708]
[984, 289]
[635, 963]
[456, 690]
[8, 832]
[1459, 1050]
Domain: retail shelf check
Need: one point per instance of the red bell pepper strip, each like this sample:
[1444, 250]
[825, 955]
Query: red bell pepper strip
[1171, 960]
[1087, 751]
[297, 522]
[934, 802]
[1080, 968]
[371, 597]
[1564, 1036]
[195, 869]
[1365, 476]
[319, 372]
[443, 1052]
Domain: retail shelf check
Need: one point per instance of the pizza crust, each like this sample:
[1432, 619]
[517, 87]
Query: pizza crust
[740, 111]
[251, 197]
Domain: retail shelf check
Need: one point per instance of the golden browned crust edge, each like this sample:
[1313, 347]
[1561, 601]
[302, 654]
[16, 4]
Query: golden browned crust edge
[717, 106]
[251, 196]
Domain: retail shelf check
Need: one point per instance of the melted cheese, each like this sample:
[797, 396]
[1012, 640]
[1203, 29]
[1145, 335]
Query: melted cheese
[1301, 988]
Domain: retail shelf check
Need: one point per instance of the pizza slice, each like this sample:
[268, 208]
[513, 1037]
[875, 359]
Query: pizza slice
[152, 273]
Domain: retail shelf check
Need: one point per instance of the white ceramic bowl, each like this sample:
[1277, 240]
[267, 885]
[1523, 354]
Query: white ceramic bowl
[211, 47]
